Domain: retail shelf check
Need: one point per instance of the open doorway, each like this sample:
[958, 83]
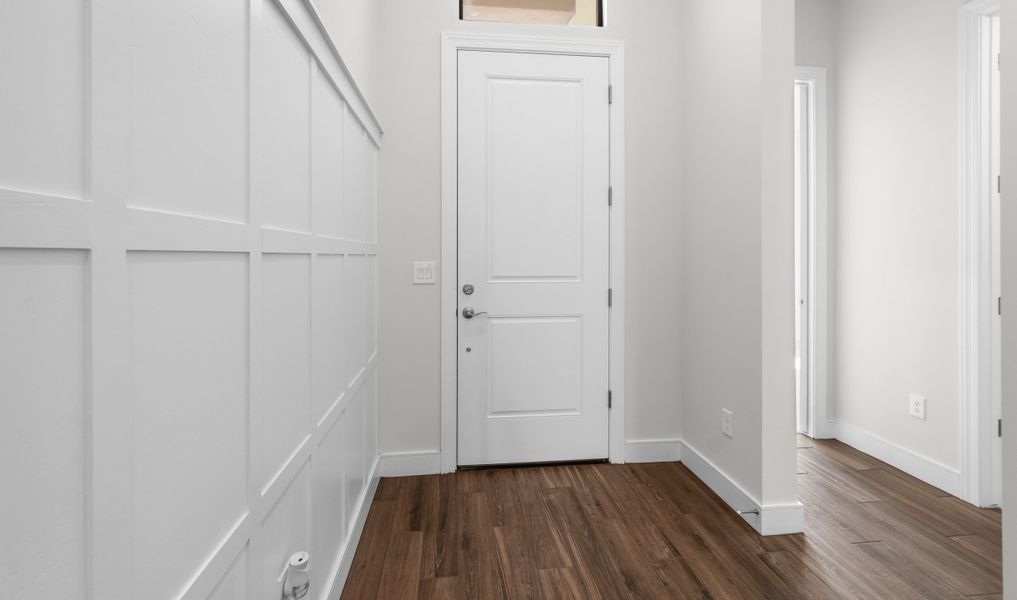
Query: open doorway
[810, 158]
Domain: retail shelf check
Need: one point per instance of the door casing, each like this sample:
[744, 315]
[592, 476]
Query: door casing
[979, 365]
[614, 51]
[816, 249]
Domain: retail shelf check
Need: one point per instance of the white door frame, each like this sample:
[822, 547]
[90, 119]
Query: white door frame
[817, 251]
[451, 45]
[978, 365]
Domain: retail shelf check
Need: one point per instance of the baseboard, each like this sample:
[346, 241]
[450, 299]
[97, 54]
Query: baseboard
[648, 451]
[405, 464]
[341, 570]
[772, 519]
[922, 467]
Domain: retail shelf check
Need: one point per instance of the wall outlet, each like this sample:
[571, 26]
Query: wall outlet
[727, 422]
[917, 406]
[423, 272]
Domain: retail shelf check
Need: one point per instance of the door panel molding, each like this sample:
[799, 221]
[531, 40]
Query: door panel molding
[452, 44]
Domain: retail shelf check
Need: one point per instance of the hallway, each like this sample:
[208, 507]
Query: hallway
[655, 531]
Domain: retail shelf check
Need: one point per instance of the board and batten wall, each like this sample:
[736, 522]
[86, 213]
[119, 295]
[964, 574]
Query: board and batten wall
[187, 315]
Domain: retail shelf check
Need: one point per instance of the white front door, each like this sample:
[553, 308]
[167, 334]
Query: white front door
[533, 257]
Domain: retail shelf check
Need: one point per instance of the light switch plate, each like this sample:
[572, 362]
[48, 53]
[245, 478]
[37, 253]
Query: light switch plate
[727, 423]
[423, 272]
[917, 406]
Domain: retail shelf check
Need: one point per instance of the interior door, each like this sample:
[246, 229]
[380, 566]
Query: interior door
[533, 258]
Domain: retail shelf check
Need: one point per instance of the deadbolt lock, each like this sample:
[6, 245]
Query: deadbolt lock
[468, 289]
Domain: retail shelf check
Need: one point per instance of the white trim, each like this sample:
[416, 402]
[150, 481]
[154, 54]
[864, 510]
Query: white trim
[781, 519]
[771, 519]
[341, 570]
[914, 464]
[405, 464]
[306, 21]
[614, 51]
[354, 96]
[975, 294]
[649, 451]
[818, 251]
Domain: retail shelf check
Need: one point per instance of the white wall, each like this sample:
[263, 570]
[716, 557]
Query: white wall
[187, 377]
[896, 239]
[816, 33]
[1008, 24]
[737, 301]
[410, 211]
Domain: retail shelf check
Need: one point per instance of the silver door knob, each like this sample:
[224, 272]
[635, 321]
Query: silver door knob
[469, 313]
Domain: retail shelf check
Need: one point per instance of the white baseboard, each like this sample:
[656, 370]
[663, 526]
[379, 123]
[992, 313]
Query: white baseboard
[341, 570]
[772, 519]
[405, 464]
[922, 467]
[648, 451]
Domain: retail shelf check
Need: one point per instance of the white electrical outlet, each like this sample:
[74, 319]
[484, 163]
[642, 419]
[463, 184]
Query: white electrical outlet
[727, 422]
[917, 406]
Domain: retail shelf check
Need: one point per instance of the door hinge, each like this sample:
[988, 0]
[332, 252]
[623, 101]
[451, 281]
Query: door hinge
[999, 306]
[610, 297]
[610, 94]
[610, 195]
[609, 398]
[999, 427]
[999, 184]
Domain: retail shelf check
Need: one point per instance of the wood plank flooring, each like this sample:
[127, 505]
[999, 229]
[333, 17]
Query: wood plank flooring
[655, 531]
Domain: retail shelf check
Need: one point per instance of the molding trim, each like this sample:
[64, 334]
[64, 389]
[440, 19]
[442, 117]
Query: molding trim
[406, 464]
[934, 473]
[614, 51]
[649, 451]
[306, 21]
[771, 519]
[818, 242]
[975, 366]
[341, 570]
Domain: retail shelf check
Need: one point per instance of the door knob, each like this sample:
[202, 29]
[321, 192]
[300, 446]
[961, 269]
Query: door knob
[469, 313]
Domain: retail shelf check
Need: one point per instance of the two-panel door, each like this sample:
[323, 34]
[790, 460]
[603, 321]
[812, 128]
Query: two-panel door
[533, 259]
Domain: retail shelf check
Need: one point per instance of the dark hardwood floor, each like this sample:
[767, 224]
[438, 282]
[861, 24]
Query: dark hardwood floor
[655, 531]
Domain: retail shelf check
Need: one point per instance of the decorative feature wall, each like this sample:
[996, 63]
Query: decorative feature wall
[187, 314]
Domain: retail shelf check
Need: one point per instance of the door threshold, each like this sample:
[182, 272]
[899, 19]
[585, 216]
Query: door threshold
[559, 463]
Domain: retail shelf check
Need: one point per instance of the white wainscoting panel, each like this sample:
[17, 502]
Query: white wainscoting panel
[188, 392]
[286, 526]
[188, 389]
[234, 583]
[282, 417]
[42, 132]
[202, 133]
[280, 113]
[328, 116]
[326, 306]
[42, 422]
